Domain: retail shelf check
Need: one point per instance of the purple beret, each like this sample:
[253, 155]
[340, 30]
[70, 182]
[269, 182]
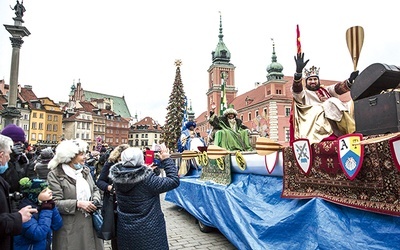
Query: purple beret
[16, 133]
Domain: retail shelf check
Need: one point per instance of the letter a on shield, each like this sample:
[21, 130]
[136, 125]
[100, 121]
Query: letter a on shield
[302, 152]
[351, 154]
[395, 150]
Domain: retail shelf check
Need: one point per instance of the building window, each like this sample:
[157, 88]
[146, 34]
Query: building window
[256, 114]
[34, 125]
[249, 115]
[25, 127]
[265, 112]
[26, 117]
[54, 138]
[77, 135]
[49, 117]
[287, 134]
[40, 136]
[241, 117]
[287, 111]
[34, 115]
[56, 118]
[40, 125]
[48, 137]
[33, 136]
[41, 116]
[48, 127]
[278, 92]
[55, 128]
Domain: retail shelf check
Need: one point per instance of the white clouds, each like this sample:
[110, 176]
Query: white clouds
[129, 47]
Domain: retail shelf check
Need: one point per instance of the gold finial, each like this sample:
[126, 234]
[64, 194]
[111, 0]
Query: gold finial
[178, 62]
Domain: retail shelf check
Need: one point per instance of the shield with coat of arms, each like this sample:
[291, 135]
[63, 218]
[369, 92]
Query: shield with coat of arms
[395, 150]
[351, 154]
[302, 152]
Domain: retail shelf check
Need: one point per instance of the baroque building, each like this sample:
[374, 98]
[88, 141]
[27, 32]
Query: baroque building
[145, 133]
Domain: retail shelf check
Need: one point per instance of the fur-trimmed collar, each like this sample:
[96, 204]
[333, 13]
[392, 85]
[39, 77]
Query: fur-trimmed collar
[125, 174]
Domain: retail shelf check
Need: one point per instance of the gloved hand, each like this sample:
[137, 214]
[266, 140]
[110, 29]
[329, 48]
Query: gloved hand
[49, 205]
[353, 76]
[211, 113]
[17, 149]
[300, 64]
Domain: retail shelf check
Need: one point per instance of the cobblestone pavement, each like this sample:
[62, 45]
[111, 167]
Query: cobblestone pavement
[183, 231]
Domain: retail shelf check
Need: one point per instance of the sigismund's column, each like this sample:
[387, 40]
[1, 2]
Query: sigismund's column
[17, 31]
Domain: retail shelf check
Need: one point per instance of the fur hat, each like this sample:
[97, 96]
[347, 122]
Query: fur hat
[132, 157]
[116, 153]
[230, 111]
[16, 133]
[190, 124]
[66, 151]
[46, 155]
[32, 188]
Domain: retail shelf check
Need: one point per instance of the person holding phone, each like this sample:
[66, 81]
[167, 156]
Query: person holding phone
[141, 223]
[10, 221]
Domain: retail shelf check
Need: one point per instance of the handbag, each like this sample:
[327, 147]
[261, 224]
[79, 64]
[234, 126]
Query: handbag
[108, 228]
[97, 219]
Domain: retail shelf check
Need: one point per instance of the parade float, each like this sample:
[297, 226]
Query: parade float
[335, 194]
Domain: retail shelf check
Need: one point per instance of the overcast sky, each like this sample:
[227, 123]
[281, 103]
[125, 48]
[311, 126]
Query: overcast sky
[128, 48]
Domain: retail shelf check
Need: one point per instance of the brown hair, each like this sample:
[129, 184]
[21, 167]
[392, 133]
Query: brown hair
[116, 153]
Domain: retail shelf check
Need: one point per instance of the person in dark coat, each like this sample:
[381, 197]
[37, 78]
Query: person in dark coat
[18, 162]
[10, 221]
[41, 167]
[37, 232]
[105, 184]
[141, 223]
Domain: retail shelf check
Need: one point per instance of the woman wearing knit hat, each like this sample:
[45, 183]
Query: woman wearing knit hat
[141, 223]
[75, 195]
[37, 232]
[18, 162]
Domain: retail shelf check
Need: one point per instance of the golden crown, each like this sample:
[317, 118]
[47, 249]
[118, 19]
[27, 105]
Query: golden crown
[313, 71]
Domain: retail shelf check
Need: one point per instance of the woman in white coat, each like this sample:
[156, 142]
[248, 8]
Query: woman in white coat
[74, 193]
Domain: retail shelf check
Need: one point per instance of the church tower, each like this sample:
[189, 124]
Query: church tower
[220, 65]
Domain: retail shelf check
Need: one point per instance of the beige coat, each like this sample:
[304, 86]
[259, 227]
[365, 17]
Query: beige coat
[77, 231]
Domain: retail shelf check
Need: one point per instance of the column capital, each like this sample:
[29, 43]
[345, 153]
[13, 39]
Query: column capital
[16, 42]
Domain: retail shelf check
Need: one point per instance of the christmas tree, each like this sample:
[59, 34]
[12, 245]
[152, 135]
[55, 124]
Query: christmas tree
[175, 111]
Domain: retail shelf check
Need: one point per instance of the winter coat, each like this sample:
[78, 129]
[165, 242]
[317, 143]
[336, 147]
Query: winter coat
[10, 223]
[78, 231]
[141, 223]
[103, 181]
[37, 232]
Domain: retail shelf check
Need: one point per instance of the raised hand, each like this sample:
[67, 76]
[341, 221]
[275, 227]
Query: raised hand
[300, 64]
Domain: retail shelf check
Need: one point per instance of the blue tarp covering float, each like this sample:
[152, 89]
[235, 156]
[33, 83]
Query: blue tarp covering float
[252, 215]
[338, 213]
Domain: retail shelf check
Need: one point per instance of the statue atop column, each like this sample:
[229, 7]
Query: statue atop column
[19, 9]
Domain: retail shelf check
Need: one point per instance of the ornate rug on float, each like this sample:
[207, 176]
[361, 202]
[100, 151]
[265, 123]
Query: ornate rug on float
[374, 187]
[217, 170]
